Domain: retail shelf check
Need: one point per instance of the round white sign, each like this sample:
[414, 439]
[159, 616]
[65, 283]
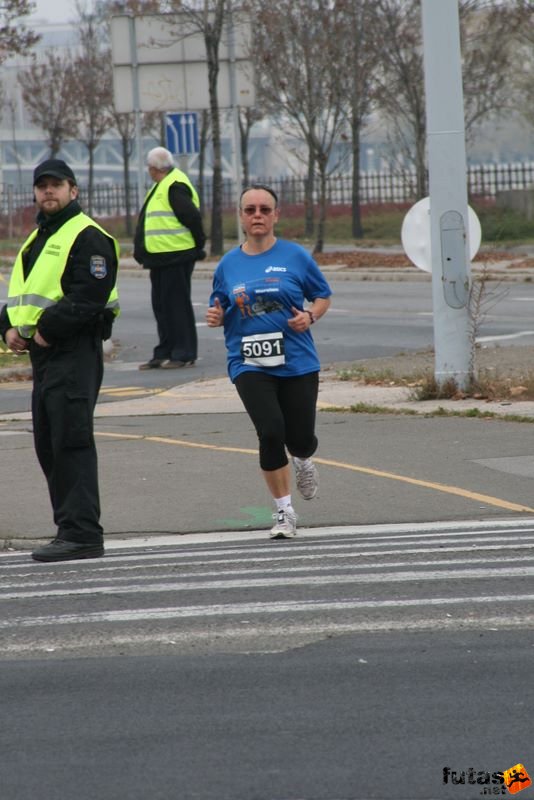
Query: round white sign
[415, 234]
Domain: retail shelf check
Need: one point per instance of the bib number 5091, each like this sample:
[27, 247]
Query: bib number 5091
[263, 349]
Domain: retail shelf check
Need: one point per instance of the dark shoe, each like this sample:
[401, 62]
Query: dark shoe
[61, 550]
[154, 363]
[177, 364]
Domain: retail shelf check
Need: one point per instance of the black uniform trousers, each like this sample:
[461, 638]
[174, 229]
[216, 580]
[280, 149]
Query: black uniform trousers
[66, 382]
[173, 310]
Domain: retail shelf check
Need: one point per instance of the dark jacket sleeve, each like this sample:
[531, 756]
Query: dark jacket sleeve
[5, 323]
[88, 279]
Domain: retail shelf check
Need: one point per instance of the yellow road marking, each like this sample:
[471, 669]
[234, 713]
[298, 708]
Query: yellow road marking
[14, 385]
[128, 391]
[180, 442]
[438, 487]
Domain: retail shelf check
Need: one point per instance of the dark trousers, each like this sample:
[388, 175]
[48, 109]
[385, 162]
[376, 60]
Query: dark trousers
[66, 382]
[173, 310]
[282, 411]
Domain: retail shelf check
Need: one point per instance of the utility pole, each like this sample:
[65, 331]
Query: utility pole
[137, 113]
[449, 229]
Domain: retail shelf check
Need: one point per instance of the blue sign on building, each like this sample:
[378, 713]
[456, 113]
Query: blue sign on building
[181, 133]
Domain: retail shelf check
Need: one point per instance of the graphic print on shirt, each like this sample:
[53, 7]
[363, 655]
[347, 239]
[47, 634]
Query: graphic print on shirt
[260, 299]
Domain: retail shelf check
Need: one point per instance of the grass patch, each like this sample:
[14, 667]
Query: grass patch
[380, 377]
[503, 226]
[490, 385]
[382, 224]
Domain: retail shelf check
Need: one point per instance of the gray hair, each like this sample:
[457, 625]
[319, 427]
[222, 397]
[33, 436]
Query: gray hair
[160, 158]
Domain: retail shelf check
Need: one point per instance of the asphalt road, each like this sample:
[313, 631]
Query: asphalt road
[368, 319]
[346, 665]
[391, 641]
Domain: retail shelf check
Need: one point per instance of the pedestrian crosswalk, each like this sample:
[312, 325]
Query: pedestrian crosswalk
[247, 593]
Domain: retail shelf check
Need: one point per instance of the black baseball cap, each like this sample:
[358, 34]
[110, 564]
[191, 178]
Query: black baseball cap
[54, 168]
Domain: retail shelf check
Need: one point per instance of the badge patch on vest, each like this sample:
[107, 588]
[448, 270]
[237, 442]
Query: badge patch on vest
[98, 267]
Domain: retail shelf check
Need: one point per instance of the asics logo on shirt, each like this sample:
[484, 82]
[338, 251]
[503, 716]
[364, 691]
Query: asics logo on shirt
[276, 269]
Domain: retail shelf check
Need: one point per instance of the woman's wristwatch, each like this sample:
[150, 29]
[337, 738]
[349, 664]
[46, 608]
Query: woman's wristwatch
[312, 316]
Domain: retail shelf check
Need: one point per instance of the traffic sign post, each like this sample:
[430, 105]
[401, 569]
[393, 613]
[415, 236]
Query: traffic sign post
[181, 133]
[449, 229]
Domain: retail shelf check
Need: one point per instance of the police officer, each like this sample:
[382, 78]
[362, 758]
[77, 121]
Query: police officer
[169, 238]
[62, 300]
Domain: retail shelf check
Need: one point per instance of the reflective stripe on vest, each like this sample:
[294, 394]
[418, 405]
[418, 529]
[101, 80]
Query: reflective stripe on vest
[27, 299]
[164, 233]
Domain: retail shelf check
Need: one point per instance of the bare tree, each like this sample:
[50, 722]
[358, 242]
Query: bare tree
[14, 36]
[204, 137]
[399, 92]
[487, 31]
[522, 84]
[207, 17]
[48, 89]
[358, 48]
[125, 126]
[94, 88]
[246, 119]
[490, 35]
[299, 74]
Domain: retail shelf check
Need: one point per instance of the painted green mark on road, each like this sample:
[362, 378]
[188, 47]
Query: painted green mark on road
[256, 516]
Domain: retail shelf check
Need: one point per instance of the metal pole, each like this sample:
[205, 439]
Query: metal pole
[448, 192]
[137, 114]
[236, 160]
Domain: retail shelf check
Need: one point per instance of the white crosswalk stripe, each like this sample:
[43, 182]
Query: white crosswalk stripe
[255, 594]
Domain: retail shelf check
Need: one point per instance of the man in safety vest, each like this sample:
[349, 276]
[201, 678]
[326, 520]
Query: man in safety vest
[169, 238]
[62, 300]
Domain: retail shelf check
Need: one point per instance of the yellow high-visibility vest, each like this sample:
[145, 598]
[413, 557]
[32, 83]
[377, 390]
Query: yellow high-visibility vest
[164, 233]
[28, 298]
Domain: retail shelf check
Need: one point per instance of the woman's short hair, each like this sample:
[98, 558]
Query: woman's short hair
[260, 186]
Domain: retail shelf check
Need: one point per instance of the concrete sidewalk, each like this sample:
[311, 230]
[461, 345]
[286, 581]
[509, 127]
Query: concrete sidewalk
[218, 396]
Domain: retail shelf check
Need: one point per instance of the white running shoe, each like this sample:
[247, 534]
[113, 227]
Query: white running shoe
[306, 477]
[285, 526]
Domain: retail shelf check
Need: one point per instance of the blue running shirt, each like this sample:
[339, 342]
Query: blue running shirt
[257, 293]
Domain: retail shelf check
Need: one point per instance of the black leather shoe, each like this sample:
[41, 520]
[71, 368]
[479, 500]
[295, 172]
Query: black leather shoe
[61, 550]
[154, 363]
[177, 364]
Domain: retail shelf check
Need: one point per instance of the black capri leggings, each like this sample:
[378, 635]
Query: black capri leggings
[282, 411]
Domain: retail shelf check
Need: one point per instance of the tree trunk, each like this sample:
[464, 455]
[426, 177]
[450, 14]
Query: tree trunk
[357, 229]
[204, 130]
[319, 243]
[309, 224]
[420, 162]
[90, 182]
[126, 173]
[244, 133]
[216, 234]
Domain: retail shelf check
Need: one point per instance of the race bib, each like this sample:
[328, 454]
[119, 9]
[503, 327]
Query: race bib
[263, 349]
